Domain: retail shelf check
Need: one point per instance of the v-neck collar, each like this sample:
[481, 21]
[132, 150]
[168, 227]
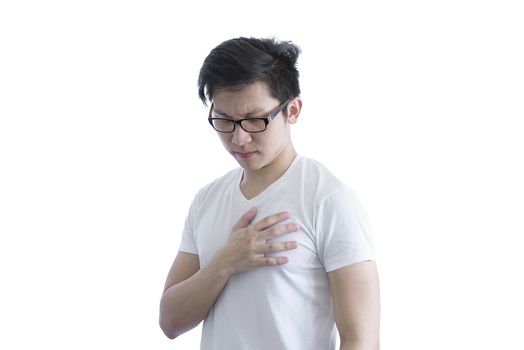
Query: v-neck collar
[262, 195]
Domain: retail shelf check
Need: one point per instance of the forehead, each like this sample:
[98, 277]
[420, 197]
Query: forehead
[249, 99]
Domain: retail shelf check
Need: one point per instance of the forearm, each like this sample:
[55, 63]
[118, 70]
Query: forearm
[184, 305]
[360, 345]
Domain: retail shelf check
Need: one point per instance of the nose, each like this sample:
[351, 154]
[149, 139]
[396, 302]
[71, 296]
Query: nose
[240, 136]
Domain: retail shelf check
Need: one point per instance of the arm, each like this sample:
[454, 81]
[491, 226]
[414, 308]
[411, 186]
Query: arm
[356, 305]
[190, 292]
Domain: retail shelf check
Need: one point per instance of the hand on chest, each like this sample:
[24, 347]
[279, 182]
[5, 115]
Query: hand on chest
[214, 229]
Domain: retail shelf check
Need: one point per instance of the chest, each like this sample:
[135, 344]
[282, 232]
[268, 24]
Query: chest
[218, 216]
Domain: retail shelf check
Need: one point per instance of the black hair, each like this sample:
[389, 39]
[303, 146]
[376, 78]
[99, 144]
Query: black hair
[242, 61]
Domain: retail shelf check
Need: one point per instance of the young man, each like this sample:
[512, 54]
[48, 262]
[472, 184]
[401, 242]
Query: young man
[277, 251]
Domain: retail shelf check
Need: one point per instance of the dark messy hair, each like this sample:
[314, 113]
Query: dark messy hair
[242, 61]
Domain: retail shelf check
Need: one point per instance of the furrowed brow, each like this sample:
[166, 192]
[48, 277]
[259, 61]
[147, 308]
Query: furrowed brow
[252, 114]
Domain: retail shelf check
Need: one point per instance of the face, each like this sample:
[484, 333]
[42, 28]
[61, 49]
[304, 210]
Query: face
[255, 151]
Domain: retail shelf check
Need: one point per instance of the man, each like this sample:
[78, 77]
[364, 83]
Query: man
[277, 251]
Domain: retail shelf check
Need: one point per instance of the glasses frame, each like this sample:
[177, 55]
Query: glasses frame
[272, 115]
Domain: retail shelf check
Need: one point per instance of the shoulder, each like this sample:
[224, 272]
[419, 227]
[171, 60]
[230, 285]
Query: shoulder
[319, 180]
[217, 186]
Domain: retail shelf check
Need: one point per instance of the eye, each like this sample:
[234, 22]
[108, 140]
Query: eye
[223, 125]
[254, 125]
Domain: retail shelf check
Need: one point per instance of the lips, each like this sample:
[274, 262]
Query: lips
[246, 155]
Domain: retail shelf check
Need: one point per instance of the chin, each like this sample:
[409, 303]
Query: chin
[248, 165]
[251, 164]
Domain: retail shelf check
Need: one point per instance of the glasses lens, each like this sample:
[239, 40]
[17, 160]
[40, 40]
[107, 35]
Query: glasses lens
[223, 125]
[253, 125]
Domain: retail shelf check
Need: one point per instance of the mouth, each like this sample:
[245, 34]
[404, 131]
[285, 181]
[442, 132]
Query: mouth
[246, 155]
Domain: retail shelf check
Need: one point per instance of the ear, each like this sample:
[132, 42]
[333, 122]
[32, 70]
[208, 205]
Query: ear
[294, 108]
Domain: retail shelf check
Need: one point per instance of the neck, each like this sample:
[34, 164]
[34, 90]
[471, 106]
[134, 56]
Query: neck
[271, 172]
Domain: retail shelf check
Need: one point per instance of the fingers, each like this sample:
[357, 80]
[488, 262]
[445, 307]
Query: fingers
[276, 247]
[267, 228]
[267, 261]
[271, 220]
[277, 230]
[245, 219]
[247, 248]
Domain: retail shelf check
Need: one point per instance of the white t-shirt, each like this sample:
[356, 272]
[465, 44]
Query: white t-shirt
[289, 306]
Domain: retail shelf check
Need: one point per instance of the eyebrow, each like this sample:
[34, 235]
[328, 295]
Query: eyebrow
[251, 114]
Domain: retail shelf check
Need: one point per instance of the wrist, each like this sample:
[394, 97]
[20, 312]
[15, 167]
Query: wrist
[220, 265]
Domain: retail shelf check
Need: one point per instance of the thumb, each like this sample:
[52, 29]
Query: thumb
[245, 219]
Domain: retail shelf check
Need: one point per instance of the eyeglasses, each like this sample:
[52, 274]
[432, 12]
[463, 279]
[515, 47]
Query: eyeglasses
[251, 125]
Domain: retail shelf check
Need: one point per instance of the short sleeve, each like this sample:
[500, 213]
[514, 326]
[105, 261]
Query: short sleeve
[188, 242]
[343, 230]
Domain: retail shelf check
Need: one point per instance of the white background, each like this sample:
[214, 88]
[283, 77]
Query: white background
[416, 105]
